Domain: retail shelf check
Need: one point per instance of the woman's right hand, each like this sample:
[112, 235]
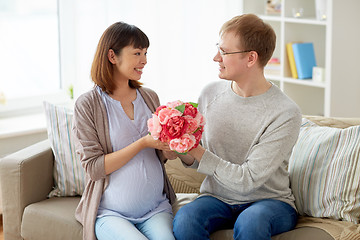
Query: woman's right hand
[116, 160]
[150, 142]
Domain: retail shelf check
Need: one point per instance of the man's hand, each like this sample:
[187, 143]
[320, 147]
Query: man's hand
[197, 152]
[170, 155]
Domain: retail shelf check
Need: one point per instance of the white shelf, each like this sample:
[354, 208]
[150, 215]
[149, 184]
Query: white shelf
[338, 94]
[271, 18]
[312, 21]
[304, 82]
[303, 20]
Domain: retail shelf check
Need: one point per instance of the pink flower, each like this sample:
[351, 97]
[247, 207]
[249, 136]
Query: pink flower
[192, 124]
[190, 110]
[175, 127]
[200, 119]
[179, 124]
[174, 104]
[154, 127]
[166, 113]
[164, 138]
[159, 108]
[198, 135]
[183, 144]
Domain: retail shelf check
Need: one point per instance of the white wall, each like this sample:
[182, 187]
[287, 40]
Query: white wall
[182, 37]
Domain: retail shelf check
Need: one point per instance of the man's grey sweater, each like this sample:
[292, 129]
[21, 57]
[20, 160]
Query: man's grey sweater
[248, 144]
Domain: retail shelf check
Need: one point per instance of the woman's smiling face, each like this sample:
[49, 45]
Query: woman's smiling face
[129, 64]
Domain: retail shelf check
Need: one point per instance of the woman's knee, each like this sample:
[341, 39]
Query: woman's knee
[116, 228]
[158, 227]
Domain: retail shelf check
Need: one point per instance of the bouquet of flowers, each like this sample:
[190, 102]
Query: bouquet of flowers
[179, 124]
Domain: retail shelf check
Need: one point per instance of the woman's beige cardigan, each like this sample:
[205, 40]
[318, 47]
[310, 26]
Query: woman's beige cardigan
[92, 139]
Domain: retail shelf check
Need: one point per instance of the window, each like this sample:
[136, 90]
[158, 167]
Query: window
[29, 46]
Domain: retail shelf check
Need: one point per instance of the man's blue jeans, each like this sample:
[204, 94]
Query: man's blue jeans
[257, 220]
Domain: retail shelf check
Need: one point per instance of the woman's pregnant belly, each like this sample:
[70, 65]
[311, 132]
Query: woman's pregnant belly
[137, 187]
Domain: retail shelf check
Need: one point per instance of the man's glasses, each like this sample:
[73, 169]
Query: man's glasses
[223, 53]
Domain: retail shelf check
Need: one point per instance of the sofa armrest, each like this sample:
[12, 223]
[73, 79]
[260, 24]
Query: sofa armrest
[26, 177]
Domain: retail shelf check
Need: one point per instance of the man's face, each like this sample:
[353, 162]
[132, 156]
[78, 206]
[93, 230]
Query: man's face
[231, 66]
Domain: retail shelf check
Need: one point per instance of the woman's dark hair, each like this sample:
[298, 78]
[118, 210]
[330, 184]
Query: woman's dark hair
[115, 37]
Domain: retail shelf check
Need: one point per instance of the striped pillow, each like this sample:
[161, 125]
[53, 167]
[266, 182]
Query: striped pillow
[68, 173]
[325, 172]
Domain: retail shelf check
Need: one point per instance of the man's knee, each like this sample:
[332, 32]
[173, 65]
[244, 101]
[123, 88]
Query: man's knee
[184, 218]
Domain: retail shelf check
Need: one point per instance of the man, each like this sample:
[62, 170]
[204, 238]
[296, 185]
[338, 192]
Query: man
[251, 128]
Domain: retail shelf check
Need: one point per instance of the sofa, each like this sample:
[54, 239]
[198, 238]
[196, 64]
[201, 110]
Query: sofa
[29, 213]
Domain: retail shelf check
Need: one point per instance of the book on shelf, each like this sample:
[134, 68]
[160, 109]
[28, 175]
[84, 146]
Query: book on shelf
[304, 56]
[273, 67]
[291, 59]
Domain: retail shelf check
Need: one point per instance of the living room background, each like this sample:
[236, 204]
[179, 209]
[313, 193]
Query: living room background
[55, 41]
[183, 36]
[182, 33]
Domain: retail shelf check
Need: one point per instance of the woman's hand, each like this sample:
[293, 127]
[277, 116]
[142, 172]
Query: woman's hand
[150, 142]
[116, 160]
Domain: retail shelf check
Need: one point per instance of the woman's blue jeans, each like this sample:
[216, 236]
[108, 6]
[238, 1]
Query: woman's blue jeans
[158, 227]
[257, 220]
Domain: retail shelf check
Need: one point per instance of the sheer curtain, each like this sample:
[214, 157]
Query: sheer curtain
[182, 34]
